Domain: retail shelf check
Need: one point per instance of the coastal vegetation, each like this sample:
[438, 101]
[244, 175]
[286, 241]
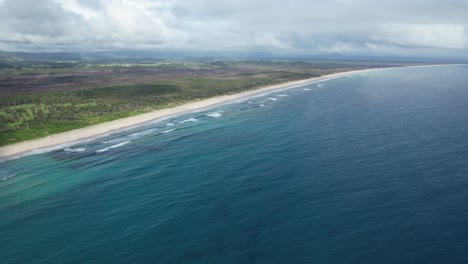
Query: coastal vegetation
[43, 98]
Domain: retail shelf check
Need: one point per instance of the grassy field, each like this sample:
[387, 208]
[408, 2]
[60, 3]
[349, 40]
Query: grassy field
[37, 102]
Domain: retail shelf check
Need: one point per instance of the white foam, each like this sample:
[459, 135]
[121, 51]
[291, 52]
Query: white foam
[46, 149]
[170, 124]
[283, 95]
[74, 149]
[188, 120]
[113, 146]
[319, 85]
[214, 114]
[306, 89]
[167, 131]
[143, 133]
[272, 98]
[261, 105]
[8, 177]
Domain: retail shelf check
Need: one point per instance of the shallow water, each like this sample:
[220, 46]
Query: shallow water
[362, 169]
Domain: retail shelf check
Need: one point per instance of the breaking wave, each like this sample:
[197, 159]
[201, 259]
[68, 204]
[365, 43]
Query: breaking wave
[143, 133]
[214, 114]
[113, 146]
[188, 120]
[167, 131]
[8, 177]
[74, 149]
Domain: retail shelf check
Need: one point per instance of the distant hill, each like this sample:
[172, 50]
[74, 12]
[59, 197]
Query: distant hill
[78, 59]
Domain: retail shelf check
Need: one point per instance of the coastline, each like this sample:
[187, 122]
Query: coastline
[86, 134]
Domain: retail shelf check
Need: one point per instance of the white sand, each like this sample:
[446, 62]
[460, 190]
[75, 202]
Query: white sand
[89, 133]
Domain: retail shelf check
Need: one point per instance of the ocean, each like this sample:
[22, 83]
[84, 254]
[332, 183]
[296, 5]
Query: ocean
[368, 168]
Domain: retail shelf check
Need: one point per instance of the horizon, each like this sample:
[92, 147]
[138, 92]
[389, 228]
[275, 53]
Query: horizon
[188, 55]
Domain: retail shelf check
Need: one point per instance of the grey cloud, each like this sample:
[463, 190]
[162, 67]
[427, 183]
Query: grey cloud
[30, 17]
[418, 27]
[93, 4]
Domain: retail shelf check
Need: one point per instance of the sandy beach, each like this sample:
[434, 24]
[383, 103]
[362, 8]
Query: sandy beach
[90, 133]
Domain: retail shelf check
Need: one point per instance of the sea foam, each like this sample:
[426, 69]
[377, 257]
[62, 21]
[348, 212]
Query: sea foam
[167, 131]
[214, 114]
[8, 177]
[113, 146]
[188, 120]
[74, 149]
[143, 133]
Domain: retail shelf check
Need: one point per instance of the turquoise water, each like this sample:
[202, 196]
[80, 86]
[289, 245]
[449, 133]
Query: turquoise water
[368, 168]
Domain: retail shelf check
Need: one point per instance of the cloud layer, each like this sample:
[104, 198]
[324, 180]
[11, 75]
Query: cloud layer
[415, 28]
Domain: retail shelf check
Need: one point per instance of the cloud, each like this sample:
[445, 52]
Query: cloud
[296, 26]
[432, 35]
[38, 23]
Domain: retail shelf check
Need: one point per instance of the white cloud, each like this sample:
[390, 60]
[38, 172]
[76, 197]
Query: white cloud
[270, 40]
[340, 47]
[437, 35]
[139, 23]
[343, 26]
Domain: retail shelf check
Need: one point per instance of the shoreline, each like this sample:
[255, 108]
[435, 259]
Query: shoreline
[90, 133]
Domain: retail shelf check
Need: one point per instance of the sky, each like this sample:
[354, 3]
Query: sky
[425, 28]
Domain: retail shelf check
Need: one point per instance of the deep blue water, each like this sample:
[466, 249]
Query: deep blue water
[362, 169]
